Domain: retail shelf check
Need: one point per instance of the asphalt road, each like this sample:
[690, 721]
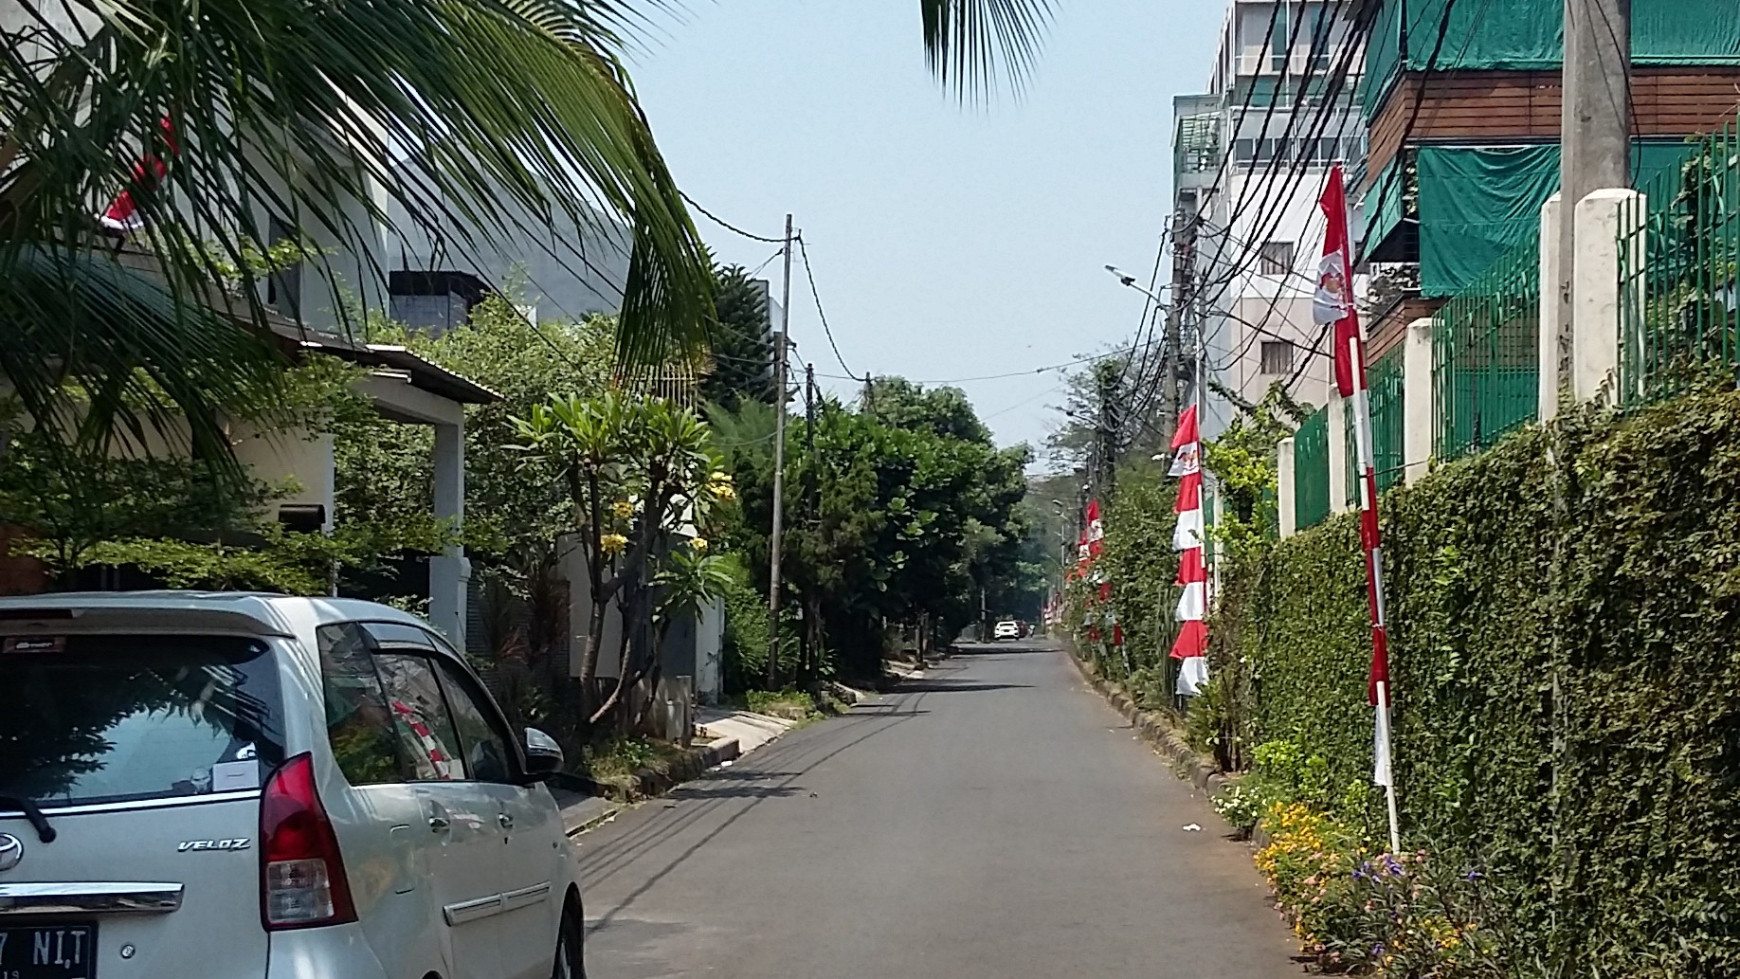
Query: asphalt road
[995, 819]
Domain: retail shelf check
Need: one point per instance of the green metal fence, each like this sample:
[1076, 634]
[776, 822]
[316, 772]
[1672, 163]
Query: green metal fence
[1679, 303]
[1384, 376]
[1311, 470]
[1349, 459]
[1485, 360]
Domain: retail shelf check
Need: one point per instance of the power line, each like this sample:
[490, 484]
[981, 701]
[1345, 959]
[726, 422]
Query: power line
[804, 252]
[998, 377]
[1413, 120]
[728, 226]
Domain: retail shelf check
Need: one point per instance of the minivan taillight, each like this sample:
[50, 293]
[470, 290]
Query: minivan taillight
[302, 882]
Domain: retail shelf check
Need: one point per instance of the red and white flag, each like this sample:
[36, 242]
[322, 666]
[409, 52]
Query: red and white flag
[1333, 303]
[1191, 647]
[122, 215]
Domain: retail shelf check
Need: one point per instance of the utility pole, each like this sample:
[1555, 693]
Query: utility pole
[869, 392]
[1594, 128]
[1110, 424]
[779, 363]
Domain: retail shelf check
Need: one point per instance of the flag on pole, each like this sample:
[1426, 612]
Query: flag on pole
[122, 215]
[1332, 306]
[1191, 647]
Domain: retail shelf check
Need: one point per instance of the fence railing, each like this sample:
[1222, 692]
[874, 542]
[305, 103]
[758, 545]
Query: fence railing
[1485, 360]
[1384, 377]
[1679, 301]
[1311, 470]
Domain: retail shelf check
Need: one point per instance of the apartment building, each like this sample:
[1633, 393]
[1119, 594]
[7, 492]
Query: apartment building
[1250, 157]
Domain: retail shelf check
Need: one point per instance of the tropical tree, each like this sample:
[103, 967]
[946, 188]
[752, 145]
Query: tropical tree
[636, 473]
[221, 117]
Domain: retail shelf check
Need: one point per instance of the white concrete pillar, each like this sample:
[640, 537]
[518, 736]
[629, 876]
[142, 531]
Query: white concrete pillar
[449, 572]
[1549, 315]
[1286, 493]
[1595, 292]
[1337, 454]
[1419, 398]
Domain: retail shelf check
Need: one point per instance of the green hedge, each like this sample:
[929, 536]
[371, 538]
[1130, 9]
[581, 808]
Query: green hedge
[1600, 558]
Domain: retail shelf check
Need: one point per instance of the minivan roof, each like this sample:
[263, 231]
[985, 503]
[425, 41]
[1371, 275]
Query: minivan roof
[269, 613]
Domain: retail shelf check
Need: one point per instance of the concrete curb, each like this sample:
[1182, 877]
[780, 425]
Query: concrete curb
[1154, 729]
[649, 784]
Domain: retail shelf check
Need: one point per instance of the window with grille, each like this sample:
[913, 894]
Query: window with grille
[1277, 356]
[1276, 258]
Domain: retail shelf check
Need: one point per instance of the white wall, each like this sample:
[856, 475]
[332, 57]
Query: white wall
[566, 271]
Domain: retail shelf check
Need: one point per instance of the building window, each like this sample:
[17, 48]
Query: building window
[1277, 356]
[1276, 258]
[1281, 41]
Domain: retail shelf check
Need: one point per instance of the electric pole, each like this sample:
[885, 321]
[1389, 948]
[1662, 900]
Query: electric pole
[1594, 128]
[779, 364]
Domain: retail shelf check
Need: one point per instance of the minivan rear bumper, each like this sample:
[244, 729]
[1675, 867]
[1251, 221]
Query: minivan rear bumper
[322, 953]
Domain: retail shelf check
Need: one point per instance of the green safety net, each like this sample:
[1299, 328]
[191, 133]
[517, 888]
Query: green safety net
[1476, 203]
[1528, 35]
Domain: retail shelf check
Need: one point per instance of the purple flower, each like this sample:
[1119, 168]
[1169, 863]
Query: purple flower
[1473, 875]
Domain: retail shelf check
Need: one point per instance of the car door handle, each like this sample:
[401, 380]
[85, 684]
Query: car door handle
[506, 820]
[439, 824]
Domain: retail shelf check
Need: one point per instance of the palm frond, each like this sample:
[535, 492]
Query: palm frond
[971, 44]
[493, 114]
[104, 356]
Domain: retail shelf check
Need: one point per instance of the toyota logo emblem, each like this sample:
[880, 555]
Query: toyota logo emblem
[11, 851]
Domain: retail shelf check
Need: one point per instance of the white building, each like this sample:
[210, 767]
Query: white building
[1250, 157]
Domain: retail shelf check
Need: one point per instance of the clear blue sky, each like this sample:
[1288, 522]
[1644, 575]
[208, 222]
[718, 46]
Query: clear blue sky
[947, 241]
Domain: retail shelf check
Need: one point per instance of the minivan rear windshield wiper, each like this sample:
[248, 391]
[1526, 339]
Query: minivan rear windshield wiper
[32, 812]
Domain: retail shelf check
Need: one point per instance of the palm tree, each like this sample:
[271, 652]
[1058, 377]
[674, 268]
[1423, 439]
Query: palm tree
[300, 111]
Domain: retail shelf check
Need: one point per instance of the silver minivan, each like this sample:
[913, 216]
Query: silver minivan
[233, 785]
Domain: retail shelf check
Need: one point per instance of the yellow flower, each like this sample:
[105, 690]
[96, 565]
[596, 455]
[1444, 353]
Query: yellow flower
[723, 491]
[622, 508]
[612, 543]
[720, 476]
[699, 544]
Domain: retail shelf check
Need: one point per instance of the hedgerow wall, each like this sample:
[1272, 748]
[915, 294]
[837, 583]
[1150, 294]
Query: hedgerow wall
[1565, 623]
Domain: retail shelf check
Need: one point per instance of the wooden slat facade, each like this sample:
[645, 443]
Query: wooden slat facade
[1389, 326]
[1523, 106]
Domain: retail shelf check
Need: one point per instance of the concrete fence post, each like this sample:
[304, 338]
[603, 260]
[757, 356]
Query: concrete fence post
[1337, 454]
[1550, 352]
[1419, 397]
[1595, 289]
[1286, 496]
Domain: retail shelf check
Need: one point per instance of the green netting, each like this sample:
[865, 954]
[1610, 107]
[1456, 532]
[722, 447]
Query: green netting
[1383, 205]
[1528, 35]
[1476, 203]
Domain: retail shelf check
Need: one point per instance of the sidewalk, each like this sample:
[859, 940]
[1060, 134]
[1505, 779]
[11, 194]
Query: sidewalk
[735, 733]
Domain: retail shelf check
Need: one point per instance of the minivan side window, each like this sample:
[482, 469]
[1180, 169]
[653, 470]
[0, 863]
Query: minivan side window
[420, 715]
[359, 724]
[488, 752]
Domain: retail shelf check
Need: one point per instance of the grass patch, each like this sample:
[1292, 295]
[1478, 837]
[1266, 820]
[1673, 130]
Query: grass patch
[617, 759]
[788, 704]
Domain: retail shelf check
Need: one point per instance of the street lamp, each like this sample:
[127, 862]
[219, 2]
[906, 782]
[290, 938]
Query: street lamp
[1126, 279]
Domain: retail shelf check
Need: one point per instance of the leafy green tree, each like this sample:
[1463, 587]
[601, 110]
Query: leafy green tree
[742, 343]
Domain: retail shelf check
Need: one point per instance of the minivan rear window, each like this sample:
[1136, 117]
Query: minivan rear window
[104, 719]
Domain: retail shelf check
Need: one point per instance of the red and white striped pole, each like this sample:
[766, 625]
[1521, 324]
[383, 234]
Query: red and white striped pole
[1378, 685]
[1334, 308]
